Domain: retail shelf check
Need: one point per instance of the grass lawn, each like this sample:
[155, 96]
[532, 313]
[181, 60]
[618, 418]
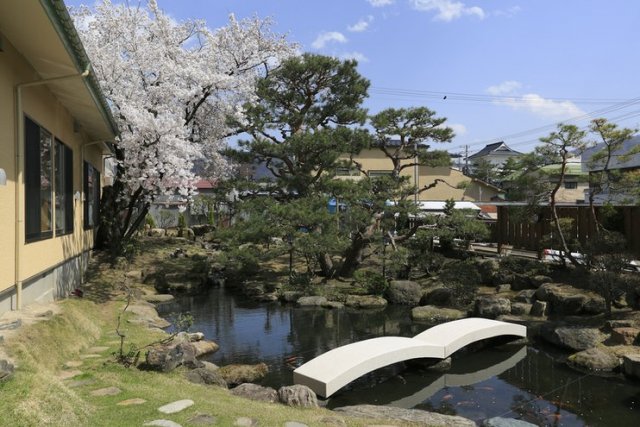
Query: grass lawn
[82, 337]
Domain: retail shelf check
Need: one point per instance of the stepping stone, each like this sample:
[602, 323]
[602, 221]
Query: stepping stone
[89, 356]
[245, 422]
[177, 406]
[129, 402]
[97, 349]
[203, 420]
[294, 424]
[108, 391]
[162, 423]
[73, 364]
[65, 375]
[80, 383]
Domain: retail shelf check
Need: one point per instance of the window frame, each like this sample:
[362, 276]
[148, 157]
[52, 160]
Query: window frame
[91, 195]
[570, 185]
[63, 173]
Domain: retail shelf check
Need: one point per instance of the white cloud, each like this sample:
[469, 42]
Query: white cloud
[358, 56]
[448, 10]
[361, 25]
[507, 13]
[328, 37]
[504, 88]
[380, 3]
[458, 128]
[532, 102]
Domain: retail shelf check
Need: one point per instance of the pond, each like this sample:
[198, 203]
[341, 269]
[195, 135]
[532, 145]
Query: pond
[511, 381]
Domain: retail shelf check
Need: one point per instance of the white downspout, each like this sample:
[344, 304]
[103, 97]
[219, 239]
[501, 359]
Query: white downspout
[19, 183]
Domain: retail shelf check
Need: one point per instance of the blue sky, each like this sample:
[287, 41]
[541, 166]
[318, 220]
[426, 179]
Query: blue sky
[506, 67]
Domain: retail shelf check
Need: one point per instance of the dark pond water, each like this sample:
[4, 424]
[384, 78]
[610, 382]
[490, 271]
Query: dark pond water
[510, 381]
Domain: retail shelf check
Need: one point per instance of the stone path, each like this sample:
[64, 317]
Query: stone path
[107, 391]
[177, 406]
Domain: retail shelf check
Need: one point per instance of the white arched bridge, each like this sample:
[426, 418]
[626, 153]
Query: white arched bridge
[334, 369]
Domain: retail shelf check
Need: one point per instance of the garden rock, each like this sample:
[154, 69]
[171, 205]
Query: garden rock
[404, 292]
[134, 274]
[487, 269]
[538, 309]
[157, 232]
[291, 296]
[205, 347]
[206, 376]
[313, 301]
[631, 365]
[567, 300]
[441, 297]
[526, 296]
[492, 306]
[411, 415]
[624, 336]
[365, 301]
[162, 423]
[594, 359]
[255, 392]
[6, 370]
[167, 358]
[238, 374]
[158, 298]
[520, 309]
[573, 338]
[505, 422]
[298, 395]
[203, 420]
[146, 314]
[430, 313]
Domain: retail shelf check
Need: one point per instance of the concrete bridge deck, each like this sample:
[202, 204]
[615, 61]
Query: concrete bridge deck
[336, 368]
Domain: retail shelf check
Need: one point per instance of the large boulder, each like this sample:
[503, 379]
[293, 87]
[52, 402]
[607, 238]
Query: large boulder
[525, 296]
[624, 336]
[492, 306]
[167, 358]
[298, 395]
[238, 374]
[6, 370]
[573, 338]
[595, 359]
[441, 297]
[431, 419]
[566, 300]
[313, 301]
[505, 422]
[429, 313]
[404, 292]
[146, 314]
[255, 392]
[291, 296]
[206, 376]
[365, 301]
[488, 268]
[631, 365]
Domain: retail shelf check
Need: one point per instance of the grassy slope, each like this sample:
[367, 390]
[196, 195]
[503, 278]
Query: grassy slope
[36, 396]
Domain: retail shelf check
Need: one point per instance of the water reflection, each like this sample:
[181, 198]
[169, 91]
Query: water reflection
[514, 382]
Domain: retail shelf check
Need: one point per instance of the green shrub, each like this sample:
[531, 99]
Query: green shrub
[150, 221]
[182, 221]
[373, 283]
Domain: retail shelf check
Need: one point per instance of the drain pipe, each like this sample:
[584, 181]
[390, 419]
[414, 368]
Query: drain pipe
[83, 199]
[19, 182]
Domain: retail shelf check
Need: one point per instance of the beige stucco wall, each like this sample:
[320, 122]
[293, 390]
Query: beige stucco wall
[453, 179]
[41, 106]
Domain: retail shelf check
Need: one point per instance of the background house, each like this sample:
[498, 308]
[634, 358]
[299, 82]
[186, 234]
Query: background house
[54, 126]
[452, 183]
[624, 161]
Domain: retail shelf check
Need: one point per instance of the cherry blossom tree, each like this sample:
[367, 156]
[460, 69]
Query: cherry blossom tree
[173, 88]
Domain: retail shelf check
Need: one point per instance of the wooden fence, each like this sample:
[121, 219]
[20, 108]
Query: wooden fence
[528, 233]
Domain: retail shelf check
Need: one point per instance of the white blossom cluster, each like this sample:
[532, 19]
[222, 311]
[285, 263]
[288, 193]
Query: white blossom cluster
[173, 85]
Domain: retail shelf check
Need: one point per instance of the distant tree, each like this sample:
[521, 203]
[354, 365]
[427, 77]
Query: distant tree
[561, 144]
[607, 179]
[485, 171]
[171, 86]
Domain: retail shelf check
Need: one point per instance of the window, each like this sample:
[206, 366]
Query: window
[570, 185]
[347, 172]
[38, 182]
[63, 188]
[92, 195]
[379, 173]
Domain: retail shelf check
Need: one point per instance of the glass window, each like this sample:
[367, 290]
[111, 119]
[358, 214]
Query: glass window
[63, 188]
[570, 185]
[347, 172]
[92, 195]
[378, 173]
[38, 179]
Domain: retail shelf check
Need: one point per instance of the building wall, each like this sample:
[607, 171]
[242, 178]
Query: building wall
[452, 187]
[37, 260]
